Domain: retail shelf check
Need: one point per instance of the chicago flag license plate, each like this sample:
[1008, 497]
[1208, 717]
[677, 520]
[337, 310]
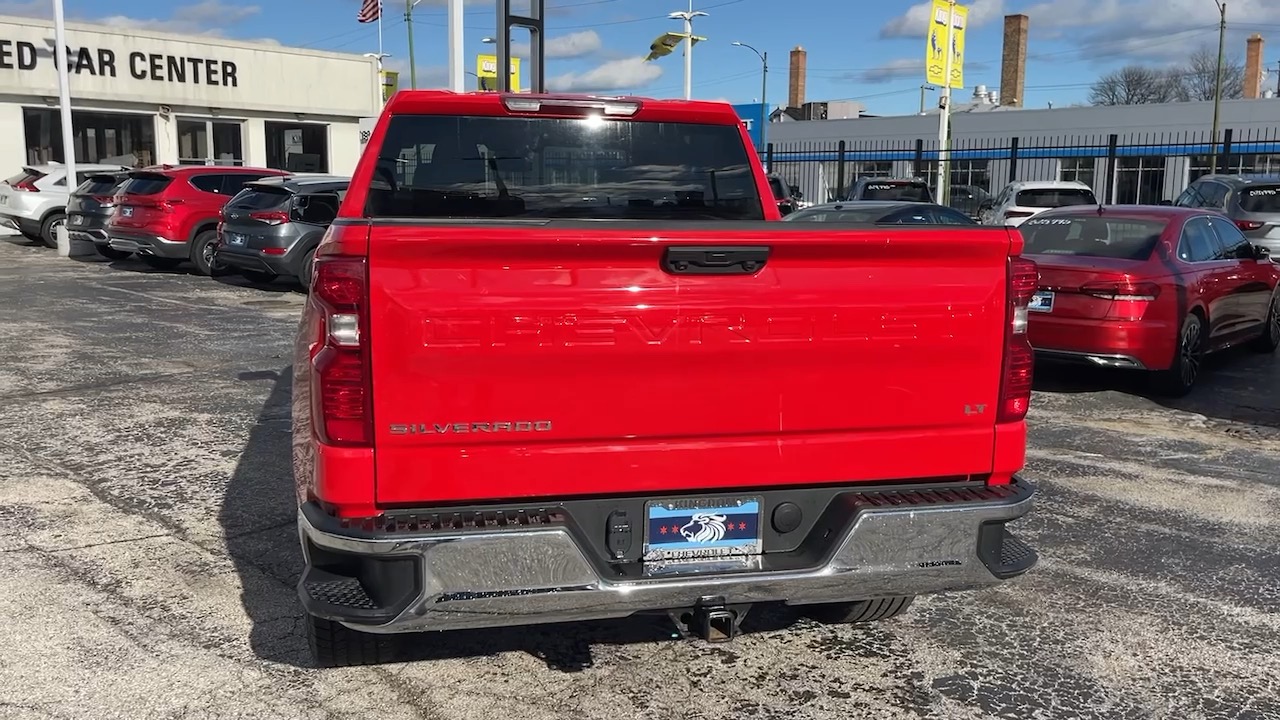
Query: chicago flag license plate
[702, 528]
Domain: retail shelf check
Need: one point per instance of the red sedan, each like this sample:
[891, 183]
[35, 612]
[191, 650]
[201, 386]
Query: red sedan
[1150, 288]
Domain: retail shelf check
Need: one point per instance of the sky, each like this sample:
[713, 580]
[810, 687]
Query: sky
[868, 51]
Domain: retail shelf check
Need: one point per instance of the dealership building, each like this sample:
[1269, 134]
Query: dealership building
[174, 99]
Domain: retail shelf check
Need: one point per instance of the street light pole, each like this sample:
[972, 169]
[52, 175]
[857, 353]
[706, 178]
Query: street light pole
[1217, 86]
[944, 117]
[687, 16]
[764, 92]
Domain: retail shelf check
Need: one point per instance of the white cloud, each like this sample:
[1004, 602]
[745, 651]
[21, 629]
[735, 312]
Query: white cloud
[899, 69]
[207, 17]
[915, 21]
[33, 8]
[625, 74]
[572, 45]
[1138, 30]
[429, 76]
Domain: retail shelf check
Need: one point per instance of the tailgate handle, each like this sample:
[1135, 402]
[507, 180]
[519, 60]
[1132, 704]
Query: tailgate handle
[715, 260]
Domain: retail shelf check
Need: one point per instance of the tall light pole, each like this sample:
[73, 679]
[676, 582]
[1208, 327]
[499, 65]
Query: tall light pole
[457, 58]
[944, 117]
[1217, 87]
[687, 16]
[764, 93]
[64, 105]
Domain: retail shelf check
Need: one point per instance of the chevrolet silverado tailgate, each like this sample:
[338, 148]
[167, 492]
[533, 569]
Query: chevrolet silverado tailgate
[572, 358]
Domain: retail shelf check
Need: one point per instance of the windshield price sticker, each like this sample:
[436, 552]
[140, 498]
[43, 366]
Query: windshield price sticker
[1049, 221]
[881, 187]
[1261, 191]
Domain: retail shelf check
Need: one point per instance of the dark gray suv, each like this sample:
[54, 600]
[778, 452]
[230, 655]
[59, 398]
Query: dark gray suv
[271, 228]
[1251, 201]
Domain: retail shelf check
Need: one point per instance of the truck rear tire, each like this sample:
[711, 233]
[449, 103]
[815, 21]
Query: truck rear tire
[335, 645]
[862, 611]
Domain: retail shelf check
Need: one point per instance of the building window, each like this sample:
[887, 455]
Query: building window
[210, 142]
[298, 147]
[1079, 169]
[1139, 180]
[98, 136]
[1235, 165]
[971, 172]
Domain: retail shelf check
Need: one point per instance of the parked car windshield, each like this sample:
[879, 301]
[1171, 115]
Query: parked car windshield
[1260, 199]
[908, 192]
[145, 184]
[1118, 238]
[98, 185]
[256, 198]
[843, 215]
[1054, 197]
[522, 167]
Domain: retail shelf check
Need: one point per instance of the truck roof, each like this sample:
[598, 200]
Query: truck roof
[447, 102]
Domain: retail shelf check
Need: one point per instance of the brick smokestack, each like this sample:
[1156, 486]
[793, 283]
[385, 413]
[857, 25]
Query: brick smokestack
[1013, 67]
[1253, 68]
[795, 88]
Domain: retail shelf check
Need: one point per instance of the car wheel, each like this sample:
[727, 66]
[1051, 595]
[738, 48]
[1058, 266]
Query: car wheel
[159, 263]
[49, 229]
[308, 262]
[111, 253]
[202, 253]
[335, 645]
[259, 277]
[1269, 340]
[1181, 376]
[862, 611]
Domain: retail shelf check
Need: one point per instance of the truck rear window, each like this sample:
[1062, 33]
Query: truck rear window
[520, 167]
[1054, 197]
[1262, 199]
[1117, 238]
[906, 192]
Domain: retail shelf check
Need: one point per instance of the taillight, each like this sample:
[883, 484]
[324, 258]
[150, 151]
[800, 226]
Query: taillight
[106, 201]
[1017, 214]
[1248, 225]
[341, 387]
[270, 217]
[1019, 358]
[27, 184]
[1122, 290]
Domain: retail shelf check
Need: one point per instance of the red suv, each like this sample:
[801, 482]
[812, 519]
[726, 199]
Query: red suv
[169, 214]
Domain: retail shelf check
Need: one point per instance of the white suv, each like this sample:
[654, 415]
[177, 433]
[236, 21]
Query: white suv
[1021, 200]
[34, 202]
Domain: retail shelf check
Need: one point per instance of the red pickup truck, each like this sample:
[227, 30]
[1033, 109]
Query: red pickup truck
[561, 363]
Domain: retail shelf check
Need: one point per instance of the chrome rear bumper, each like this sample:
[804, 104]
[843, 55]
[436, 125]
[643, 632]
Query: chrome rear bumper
[528, 575]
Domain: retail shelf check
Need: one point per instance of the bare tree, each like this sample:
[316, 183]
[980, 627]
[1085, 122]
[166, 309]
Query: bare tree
[1200, 74]
[1136, 85]
[1195, 79]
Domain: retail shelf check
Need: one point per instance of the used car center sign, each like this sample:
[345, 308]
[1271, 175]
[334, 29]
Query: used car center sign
[157, 67]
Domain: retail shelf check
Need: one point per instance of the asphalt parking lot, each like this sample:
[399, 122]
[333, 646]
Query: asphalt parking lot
[148, 553]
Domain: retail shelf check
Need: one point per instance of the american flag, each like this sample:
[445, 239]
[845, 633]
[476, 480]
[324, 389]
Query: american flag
[370, 10]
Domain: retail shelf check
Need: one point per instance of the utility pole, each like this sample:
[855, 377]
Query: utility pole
[764, 93]
[62, 61]
[944, 117]
[687, 16]
[408, 22]
[1217, 86]
[457, 60]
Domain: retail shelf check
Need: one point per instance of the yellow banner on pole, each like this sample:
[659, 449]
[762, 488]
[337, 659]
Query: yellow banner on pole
[487, 73]
[940, 44]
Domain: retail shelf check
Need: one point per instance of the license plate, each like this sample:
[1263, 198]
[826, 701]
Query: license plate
[235, 238]
[76, 220]
[1041, 302]
[126, 212]
[702, 529]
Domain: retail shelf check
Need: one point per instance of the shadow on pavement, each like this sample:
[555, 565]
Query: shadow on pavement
[1236, 386]
[258, 519]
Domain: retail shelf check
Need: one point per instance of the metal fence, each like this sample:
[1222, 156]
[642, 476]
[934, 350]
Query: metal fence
[1143, 168]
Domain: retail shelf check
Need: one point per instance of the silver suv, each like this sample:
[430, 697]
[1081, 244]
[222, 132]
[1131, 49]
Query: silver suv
[34, 202]
[1251, 201]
